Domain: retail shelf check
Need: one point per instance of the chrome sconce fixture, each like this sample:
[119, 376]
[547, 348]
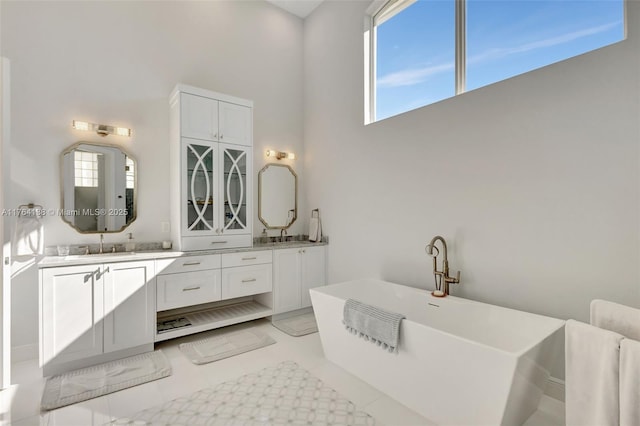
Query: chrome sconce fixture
[280, 155]
[101, 129]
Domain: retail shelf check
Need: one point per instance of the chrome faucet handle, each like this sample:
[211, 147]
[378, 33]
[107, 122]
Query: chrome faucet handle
[86, 249]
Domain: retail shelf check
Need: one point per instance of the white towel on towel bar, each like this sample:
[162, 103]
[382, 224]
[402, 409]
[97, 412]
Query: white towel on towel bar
[592, 358]
[28, 238]
[616, 317]
[315, 227]
[629, 382]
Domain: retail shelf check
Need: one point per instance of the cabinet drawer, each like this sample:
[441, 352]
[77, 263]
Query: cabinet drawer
[216, 242]
[246, 280]
[188, 264]
[188, 288]
[246, 258]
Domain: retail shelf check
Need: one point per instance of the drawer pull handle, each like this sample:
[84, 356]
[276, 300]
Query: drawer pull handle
[249, 258]
[250, 280]
[218, 242]
[190, 263]
[191, 288]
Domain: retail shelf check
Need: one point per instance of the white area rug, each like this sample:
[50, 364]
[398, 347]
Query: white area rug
[225, 345]
[282, 395]
[101, 379]
[298, 325]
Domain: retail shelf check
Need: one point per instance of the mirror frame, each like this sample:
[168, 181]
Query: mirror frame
[295, 207]
[135, 184]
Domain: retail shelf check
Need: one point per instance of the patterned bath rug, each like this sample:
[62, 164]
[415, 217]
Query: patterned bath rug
[92, 382]
[225, 345]
[282, 395]
[298, 325]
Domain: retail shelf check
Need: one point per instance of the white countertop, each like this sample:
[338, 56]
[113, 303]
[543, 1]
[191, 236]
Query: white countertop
[56, 261]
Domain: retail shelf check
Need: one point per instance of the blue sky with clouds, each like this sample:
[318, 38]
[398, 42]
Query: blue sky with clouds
[415, 49]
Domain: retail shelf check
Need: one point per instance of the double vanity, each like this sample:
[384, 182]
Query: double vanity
[99, 307]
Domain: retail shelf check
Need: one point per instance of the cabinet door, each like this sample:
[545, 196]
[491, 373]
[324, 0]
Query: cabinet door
[313, 272]
[200, 188]
[199, 117]
[235, 124]
[129, 304]
[72, 313]
[235, 163]
[286, 280]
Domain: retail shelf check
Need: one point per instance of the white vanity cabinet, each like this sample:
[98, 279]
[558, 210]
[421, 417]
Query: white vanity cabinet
[211, 170]
[295, 271]
[91, 311]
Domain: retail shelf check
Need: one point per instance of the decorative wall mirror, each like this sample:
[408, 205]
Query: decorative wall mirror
[277, 196]
[99, 184]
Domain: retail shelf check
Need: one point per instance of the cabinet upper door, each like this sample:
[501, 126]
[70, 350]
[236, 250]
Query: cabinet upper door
[235, 163]
[129, 304]
[72, 313]
[200, 188]
[235, 124]
[199, 117]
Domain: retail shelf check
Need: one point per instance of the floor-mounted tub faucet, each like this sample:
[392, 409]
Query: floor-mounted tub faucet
[442, 285]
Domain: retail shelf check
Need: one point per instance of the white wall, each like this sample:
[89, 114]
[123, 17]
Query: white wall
[534, 181]
[116, 63]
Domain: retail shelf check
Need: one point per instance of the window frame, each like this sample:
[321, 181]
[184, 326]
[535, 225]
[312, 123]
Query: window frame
[382, 10]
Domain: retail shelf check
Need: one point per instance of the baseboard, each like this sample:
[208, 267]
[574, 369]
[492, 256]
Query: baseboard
[24, 353]
[555, 388]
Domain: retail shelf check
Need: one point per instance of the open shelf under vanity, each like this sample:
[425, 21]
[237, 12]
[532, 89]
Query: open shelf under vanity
[208, 317]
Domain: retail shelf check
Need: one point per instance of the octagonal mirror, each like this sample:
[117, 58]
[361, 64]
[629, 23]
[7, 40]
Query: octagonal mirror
[99, 184]
[277, 196]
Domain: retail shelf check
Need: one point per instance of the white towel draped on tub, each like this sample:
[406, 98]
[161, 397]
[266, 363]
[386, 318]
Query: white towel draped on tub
[629, 382]
[616, 317]
[28, 239]
[592, 358]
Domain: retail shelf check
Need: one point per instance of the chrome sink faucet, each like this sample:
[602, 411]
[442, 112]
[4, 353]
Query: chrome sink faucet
[101, 243]
[442, 285]
[283, 235]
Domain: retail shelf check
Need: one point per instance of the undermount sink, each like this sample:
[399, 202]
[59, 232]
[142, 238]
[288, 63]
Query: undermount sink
[99, 256]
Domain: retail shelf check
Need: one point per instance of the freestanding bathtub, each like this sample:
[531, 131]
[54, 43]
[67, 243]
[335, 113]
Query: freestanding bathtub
[459, 362]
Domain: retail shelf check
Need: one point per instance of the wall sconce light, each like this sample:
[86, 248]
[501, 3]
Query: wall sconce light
[101, 129]
[280, 155]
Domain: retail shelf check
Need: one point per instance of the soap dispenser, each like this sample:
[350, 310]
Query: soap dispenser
[130, 245]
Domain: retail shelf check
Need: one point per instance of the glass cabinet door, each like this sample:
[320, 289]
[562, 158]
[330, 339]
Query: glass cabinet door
[200, 187]
[236, 215]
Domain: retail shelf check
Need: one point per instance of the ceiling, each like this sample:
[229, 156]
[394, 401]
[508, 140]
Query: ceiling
[301, 8]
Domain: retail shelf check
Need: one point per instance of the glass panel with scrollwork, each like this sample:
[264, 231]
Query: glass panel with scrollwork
[235, 189]
[200, 187]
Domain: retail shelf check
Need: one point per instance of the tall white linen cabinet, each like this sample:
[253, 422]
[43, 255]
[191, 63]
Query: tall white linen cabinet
[211, 149]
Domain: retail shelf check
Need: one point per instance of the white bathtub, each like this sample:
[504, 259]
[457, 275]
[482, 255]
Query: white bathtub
[459, 362]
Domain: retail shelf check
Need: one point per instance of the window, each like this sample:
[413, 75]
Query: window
[130, 173]
[423, 51]
[86, 169]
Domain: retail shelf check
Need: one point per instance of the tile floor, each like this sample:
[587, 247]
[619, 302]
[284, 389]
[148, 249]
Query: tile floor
[20, 404]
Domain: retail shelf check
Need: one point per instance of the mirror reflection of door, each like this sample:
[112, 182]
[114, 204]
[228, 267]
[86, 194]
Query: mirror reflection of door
[278, 198]
[98, 188]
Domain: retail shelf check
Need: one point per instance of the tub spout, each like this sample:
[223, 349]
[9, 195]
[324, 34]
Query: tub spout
[441, 277]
